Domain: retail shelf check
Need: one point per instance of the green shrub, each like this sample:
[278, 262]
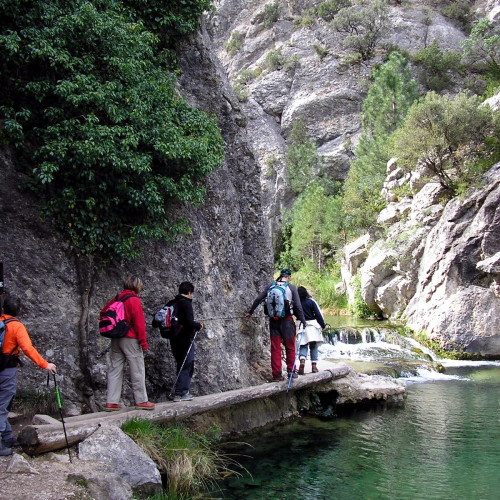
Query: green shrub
[456, 139]
[321, 51]
[460, 13]
[235, 43]
[329, 9]
[364, 25]
[482, 49]
[275, 60]
[437, 67]
[271, 14]
[242, 92]
[247, 75]
[359, 307]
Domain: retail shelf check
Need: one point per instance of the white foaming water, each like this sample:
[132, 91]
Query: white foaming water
[449, 363]
[425, 375]
[366, 351]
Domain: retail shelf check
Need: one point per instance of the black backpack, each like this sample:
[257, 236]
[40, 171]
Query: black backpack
[7, 360]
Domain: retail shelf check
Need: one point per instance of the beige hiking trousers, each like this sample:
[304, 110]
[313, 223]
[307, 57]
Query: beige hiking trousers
[126, 349]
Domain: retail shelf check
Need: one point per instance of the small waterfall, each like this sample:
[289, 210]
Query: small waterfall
[382, 346]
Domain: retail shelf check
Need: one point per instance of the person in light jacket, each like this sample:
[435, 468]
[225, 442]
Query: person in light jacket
[313, 335]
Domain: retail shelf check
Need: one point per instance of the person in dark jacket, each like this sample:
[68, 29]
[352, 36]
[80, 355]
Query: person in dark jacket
[130, 349]
[182, 345]
[282, 329]
[314, 325]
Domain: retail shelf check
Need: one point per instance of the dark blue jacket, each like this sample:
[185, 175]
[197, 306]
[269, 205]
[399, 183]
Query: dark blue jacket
[311, 311]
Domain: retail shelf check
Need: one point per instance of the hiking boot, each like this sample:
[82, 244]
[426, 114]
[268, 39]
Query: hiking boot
[5, 451]
[145, 406]
[112, 407]
[11, 442]
[294, 375]
[279, 378]
[301, 367]
[177, 398]
[315, 368]
[187, 397]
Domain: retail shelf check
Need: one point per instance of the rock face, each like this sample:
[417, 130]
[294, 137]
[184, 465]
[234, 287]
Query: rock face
[437, 265]
[228, 258]
[314, 83]
[458, 292]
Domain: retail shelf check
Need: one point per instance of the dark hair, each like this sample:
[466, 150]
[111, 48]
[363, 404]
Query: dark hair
[133, 283]
[303, 293]
[11, 305]
[186, 287]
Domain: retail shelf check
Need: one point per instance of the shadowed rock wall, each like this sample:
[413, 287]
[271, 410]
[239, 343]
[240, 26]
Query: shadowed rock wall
[227, 257]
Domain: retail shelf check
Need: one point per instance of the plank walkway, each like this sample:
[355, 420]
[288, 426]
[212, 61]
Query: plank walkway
[49, 436]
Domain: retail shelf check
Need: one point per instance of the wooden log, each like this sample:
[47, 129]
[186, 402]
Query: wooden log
[36, 439]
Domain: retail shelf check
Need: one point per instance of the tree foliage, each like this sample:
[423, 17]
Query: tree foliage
[456, 139]
[329, 9]
[316, 227]
[364, 23]
[437, 67]
[389, 97]
[482, 48]
[90, 98]
[301, 159]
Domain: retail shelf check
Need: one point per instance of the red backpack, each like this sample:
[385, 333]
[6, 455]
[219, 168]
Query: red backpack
[112, 322]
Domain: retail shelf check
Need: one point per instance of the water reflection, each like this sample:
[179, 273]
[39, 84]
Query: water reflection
[442, 444]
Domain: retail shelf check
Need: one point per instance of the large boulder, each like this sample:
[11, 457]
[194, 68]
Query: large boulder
[111, 446]
[457, 298]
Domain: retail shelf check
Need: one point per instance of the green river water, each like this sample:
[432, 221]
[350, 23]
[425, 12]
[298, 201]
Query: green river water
[442, 443]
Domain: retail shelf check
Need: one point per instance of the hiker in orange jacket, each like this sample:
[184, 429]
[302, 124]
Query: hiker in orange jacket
[16, 337]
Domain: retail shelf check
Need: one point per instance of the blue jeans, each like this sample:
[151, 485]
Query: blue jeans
[8, 382]
[313, 346]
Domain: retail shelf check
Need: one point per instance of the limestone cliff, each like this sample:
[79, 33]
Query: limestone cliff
[227, 257]
[436, 264]
[314, 83]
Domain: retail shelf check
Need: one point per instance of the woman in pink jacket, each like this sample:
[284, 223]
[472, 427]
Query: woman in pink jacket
[129, 348]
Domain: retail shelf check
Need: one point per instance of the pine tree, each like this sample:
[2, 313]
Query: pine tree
[388, 100]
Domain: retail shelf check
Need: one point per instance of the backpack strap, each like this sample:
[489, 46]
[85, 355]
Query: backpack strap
[6, 322]
[124, 298]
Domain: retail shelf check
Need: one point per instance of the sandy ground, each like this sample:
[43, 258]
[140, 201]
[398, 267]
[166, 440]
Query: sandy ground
[48, 481]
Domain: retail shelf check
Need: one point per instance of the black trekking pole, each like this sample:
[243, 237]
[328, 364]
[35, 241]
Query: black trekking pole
[182, 366]
[60, 411]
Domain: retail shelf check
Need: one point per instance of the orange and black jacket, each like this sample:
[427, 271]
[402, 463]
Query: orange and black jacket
[16, 337]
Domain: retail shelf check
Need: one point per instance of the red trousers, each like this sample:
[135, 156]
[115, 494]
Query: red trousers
[282, 330]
